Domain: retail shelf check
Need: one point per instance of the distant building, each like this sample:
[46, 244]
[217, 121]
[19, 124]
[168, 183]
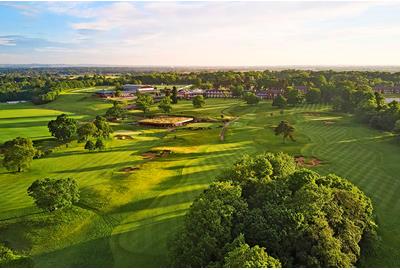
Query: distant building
[218, 94]
[189, 94]
[105, 93]
[387, 89]
[132, 89]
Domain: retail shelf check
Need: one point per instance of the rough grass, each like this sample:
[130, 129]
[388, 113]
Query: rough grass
[125, 219]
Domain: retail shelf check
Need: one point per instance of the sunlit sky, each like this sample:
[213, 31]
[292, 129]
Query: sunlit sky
[200, 33]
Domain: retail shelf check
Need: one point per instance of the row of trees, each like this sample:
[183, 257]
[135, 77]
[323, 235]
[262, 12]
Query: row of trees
[44, 86]
[265, 212]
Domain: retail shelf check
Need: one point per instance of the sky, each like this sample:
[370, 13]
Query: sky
[200, 33]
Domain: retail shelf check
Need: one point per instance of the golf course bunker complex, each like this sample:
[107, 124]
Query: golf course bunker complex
[166, 121]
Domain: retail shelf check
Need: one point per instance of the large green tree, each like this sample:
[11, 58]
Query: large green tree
[280, 102]
[116, 111]
[52, 194]
[144, 102]
[313, 95]
[251, 98]
[103, 128]
[300, 218]
[294, 97]
[86, 131]
[174, 96]
[63, 128]
[198, 101]
[18, 154]
[165, 105]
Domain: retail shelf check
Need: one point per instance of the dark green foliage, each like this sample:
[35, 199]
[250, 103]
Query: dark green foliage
[174, 96]
[90, 146]
[103, 128]
[313, 95]
[143, 102]
[10, 259]
[237, 90]
[209, 226]
[300, 218]
[86, 131]
[18, 154]
[63, 128]
[100, 144]
[52, 194]
[251, 98]
[294, 97]
[245, 256]
[165, 105]
[198, 101]
[280, 102]
[285, 129]
[116, 111]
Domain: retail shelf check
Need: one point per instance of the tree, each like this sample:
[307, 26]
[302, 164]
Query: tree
[90, 146]
[237, 90]
[313, 95]
[251, 98]
[143, 102]
[208, 226]
[174, 96]
[100, 144]
[165, 105]
[52, 194]
[246, 257]
[116, 111]
[10, 259]
[285, 129]
[198, 101]
[18, 154]
[302, 219]
[103, 128]
[63, 128]
[280, 102]
[294, 97]
[397, 126]
[86, 130]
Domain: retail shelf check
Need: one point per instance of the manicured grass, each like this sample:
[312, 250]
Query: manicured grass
[125, 218]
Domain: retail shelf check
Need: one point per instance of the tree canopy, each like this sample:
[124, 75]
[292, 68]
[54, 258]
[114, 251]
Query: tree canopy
[63, 128]
[165, 105]
[262, 213]
[198, 101]
[284, 129]
[52, 194]
[280, 102]
[144, 102]
[251, 98]
[18, 154]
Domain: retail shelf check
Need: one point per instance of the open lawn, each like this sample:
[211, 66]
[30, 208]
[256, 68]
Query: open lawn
[126, 216]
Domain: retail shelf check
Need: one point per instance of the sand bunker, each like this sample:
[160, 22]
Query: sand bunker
[156, 154]
[129, 169]
[310, 162]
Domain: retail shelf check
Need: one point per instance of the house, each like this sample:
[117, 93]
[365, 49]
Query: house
[218, 94]
[189, 94]
[105, 93]
[387, 89]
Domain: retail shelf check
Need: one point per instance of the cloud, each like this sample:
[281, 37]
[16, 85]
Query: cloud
[5, 41]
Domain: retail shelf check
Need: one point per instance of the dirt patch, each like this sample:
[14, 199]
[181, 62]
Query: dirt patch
[129, 169]
[156, 154]
[328, 123]
[307, 162]
[123, 137]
